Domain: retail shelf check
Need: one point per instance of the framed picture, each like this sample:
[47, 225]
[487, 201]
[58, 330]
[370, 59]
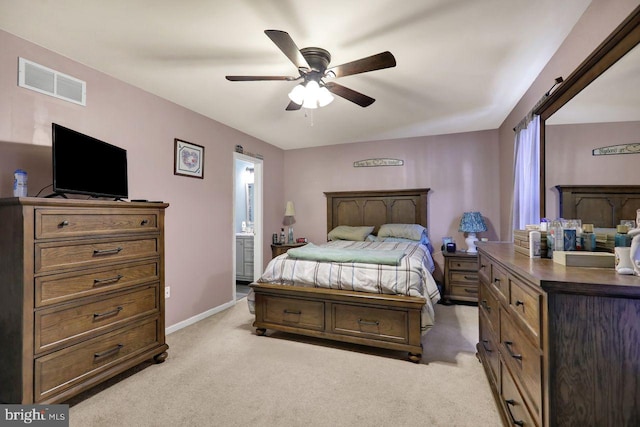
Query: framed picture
[188, 159]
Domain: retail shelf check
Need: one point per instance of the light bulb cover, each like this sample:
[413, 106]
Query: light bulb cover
[297, 94]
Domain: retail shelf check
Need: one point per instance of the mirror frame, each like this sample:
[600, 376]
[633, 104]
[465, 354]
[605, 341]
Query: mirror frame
[624, 38]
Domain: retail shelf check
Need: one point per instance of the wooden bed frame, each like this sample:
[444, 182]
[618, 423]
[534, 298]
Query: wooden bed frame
[600, 205]
[385, 321]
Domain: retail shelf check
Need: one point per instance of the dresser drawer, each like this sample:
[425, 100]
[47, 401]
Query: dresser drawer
[525, 304]
[490, 306]
[62, 325]
[462, 265]
[63, 369]
[52, 223]
[59, 288]
[293, 312]
[470, 290]
[463, 277]
[484, 268]
[387, 325]
[515, 404]
[500, 282]
[52, 256]
[489, 346]
[525, 360]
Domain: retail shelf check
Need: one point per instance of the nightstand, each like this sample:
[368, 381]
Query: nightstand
[460, 277]
[280, 249]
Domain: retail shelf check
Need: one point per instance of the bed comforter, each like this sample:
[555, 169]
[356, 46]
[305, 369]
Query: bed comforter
[412, 276]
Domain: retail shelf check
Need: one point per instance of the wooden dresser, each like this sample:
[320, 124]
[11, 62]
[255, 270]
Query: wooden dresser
[82, 294]
[460, 277]
[560, 345]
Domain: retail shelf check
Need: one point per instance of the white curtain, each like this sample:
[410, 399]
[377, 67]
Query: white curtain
[526, 187]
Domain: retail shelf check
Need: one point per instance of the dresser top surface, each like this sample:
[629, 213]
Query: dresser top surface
[88, 203]
[554, 277]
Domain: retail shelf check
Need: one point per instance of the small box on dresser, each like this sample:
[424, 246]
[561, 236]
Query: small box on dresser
[83, 294]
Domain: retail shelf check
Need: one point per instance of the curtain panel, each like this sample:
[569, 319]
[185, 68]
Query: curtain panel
[526, 187]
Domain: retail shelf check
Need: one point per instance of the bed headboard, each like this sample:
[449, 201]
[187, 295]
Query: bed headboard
[377, 207]
[601, 205]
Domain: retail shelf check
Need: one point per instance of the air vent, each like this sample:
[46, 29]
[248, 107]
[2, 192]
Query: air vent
[51, 82]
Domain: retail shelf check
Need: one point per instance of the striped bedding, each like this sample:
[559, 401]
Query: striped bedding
[412, 276]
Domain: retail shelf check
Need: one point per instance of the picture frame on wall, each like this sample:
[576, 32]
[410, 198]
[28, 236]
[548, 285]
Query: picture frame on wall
[188, 159]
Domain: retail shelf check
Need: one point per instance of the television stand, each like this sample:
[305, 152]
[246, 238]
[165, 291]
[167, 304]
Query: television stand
[64, 196]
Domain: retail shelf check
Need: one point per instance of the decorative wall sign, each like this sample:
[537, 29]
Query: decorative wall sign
[377, 162]
[617, 149]
[188, 159]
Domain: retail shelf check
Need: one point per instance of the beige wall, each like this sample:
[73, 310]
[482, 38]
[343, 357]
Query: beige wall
[199, 222]
[570, 160]
[598, 21]
[460, 169]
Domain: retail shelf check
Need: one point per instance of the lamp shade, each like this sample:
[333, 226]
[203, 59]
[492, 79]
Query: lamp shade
[290, 210]
[472, 222]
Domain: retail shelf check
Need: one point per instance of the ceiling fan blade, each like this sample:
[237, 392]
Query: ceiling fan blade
[349, 94]
[286, 44]
[255, 78]
[293, 106]
[370, 63]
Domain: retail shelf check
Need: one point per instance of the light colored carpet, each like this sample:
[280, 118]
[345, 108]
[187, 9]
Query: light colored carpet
[219, 373]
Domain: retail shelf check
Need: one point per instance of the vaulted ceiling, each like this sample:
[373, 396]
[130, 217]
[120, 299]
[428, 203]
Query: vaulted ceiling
[461, 64]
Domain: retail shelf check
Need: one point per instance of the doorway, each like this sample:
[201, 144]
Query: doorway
[247, 223]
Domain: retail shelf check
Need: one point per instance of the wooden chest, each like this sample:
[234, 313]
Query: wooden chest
[83, 294]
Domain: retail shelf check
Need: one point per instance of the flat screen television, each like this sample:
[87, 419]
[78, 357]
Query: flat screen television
[86, 165]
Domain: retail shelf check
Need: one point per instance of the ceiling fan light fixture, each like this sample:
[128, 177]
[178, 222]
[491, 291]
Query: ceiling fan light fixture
[324, 97]
[311, 95]
[297, 94]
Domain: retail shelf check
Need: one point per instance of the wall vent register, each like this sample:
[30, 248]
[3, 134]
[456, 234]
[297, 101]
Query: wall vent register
[51, 82]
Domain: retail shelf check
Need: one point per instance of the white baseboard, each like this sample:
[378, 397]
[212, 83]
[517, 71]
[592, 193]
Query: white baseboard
[198, 317]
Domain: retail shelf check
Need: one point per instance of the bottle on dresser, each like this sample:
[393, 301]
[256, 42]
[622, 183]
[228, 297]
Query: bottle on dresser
[588, 238]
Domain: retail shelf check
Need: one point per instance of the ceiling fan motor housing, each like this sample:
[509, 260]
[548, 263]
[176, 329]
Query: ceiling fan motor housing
[317, 58]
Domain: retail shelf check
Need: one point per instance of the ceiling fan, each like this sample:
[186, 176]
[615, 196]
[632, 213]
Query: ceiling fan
[312, 63]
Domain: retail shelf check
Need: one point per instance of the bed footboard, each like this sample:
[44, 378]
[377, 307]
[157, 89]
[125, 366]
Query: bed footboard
[385, 321]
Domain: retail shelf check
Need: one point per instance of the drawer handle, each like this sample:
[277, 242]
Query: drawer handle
[63, 223]
[470, 277]
[107, 251]
[108, 313]
[368, 322]
[518, 302]
[496, 280]
[471, 291]
[508, 344]
[482, 266]
[108, 280]
[486, 306]
[108, 352]
[511, 402]
[484, 344]
[144, 222]
[292, 311]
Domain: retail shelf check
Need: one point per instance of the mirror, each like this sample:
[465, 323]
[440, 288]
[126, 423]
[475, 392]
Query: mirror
[597, 106]
[250, 198]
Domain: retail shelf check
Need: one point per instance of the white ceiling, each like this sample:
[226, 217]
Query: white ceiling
[461, 64]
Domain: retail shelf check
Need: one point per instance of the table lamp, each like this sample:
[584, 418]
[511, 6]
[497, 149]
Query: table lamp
[472, 223]
[289, 219]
